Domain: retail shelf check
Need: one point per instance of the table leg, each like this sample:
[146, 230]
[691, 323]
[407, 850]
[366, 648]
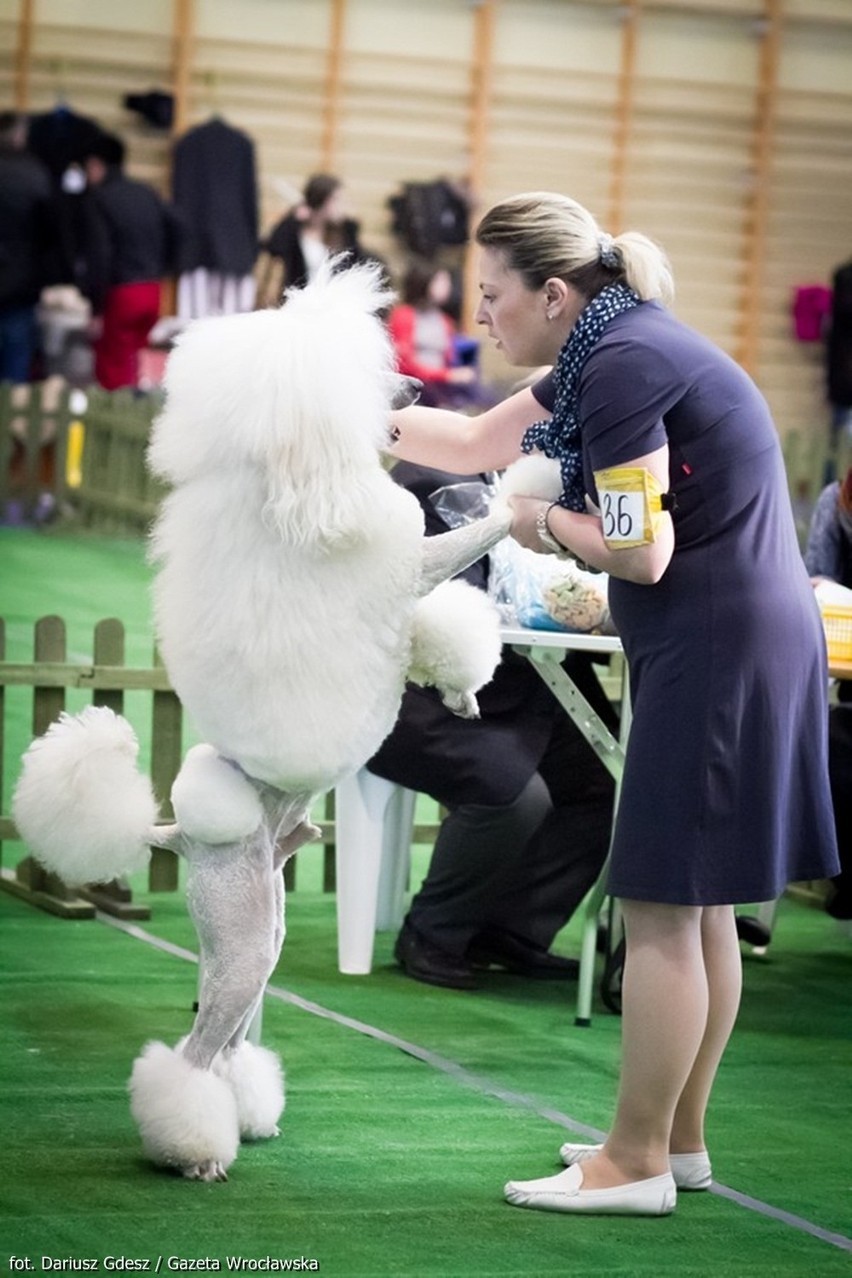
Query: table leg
[548, 664]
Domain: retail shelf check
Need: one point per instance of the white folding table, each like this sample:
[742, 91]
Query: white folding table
[546, 650]
[374, 818]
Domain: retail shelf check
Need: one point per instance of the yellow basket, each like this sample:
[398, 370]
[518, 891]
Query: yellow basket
[838, 636]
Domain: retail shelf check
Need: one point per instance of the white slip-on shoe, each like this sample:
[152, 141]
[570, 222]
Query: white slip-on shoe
[571, 1154]
[655, 1196]
[689, 1171]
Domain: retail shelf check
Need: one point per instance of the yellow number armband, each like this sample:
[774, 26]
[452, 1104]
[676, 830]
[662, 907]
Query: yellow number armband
[631, 502]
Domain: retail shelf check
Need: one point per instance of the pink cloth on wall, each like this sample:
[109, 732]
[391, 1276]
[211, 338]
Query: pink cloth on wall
[811, 311]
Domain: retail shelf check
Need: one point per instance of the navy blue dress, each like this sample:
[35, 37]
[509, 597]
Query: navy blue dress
[725, 797]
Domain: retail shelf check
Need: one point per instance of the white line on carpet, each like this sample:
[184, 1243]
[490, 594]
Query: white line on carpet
[479, 1083]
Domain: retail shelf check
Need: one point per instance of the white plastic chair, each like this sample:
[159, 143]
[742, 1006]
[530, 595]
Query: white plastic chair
[374, 820]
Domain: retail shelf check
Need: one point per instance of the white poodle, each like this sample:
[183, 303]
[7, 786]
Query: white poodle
[295, 595]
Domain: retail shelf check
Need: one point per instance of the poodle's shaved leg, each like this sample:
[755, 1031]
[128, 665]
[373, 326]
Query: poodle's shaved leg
[235, 904]
[278, 915]
[449, 553]
[277, 946]
[245, 1025]
[305, 832]
[227, 1002]
[166, 836]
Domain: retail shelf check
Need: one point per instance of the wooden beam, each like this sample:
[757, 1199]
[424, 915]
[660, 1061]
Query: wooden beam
[623, 117]
[481, 76]
[183, 39]
[757, 205]
[23, 55]
[330, 141]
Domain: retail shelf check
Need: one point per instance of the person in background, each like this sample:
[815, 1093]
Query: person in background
[530, 808]
[25, 201]
[673, 484]
[130, 241]
[424, 335]
[828, 557]
[300, 242]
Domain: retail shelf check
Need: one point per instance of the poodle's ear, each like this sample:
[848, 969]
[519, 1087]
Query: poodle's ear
[321, 461]
[329, 397]
[316, 508]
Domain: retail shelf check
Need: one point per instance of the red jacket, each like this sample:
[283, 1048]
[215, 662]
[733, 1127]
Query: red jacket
[401, 326]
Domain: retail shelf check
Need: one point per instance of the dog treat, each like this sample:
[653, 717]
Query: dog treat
[575, 603]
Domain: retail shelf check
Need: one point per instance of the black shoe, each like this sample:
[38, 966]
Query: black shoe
[521, 957]
[425, 962]
[752, 931]
[839, 904]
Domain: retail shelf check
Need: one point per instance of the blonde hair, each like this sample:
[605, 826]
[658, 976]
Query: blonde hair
[543, 235]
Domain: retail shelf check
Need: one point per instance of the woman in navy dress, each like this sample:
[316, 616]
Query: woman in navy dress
[674, 485]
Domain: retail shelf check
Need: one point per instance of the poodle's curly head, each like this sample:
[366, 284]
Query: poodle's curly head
[307, 382]
[300, 394]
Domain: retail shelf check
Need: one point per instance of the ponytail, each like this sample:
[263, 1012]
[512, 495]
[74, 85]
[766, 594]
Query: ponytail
[543, 235]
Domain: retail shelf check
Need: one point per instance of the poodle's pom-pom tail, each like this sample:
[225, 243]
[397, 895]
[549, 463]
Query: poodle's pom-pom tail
[255, 1077]
[456, 640]
[535, 476]
[187, 1117]
[214, 802]
[81, 805]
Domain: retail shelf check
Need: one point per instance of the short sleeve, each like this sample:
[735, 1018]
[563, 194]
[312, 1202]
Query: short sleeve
[545, 392]
[626, 388]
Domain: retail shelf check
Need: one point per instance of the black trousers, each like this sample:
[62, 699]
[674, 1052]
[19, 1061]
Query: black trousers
[523, 866]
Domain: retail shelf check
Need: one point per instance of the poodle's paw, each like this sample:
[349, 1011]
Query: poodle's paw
[187, 1117]
[534, 476]
[464, 704]
[455, 644]
[256, 1081]
[209, 1171]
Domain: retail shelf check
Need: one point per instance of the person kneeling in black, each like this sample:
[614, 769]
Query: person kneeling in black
[529, 809]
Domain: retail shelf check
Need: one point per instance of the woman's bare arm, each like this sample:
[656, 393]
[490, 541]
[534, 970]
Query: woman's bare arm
[465, 445]
[582, 534]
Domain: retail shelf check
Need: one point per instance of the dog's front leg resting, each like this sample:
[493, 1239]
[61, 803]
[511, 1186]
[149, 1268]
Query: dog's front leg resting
[449, 553]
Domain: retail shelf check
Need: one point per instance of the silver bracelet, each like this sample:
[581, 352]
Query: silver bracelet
[548, 540]
[545, 536]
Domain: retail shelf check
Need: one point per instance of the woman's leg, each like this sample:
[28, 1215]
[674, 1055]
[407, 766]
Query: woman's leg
[723, 966]
[665, 1015]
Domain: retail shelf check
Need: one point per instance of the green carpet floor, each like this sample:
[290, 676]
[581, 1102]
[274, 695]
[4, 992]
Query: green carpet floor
[408, 1106]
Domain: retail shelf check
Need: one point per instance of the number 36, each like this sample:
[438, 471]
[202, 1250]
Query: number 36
[617, 516]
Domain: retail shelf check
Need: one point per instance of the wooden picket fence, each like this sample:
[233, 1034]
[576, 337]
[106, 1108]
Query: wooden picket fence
[34, 434]
[51, 676]
[117, 492]
[86, 467]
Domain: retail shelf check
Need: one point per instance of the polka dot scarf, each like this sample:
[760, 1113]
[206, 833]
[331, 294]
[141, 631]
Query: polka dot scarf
[560, 436]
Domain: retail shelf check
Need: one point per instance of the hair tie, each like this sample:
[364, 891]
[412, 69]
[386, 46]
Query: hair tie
[608, 254]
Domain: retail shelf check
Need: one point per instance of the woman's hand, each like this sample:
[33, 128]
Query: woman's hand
[524, 514]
